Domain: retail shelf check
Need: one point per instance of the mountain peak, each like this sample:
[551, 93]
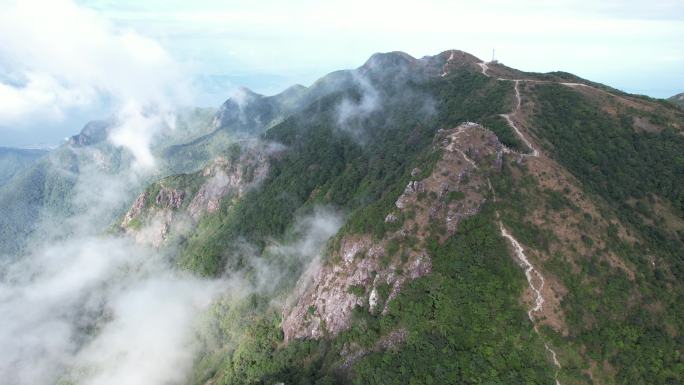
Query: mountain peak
[93, 132]
[457, 54]
[293, 90]
[383, 59]
[244, 94]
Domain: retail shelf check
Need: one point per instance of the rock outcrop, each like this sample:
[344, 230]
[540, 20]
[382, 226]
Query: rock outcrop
[181, 202]
[369, 272]
[135, 210]
[170, 198]
[224, 178]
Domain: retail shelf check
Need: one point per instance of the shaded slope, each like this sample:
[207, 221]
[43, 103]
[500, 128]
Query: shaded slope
[15, 160]
[677, 99]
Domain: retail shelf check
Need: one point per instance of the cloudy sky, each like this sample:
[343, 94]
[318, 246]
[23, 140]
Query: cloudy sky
[64, 62]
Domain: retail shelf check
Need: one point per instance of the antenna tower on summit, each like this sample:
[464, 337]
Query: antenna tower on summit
[494, 56]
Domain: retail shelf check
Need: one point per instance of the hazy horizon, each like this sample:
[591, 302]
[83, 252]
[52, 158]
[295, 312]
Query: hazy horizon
[437, 220]
[77, 61]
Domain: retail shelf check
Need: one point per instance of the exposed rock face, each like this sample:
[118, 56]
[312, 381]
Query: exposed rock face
[228, 178]
[370, 273]
[390, 218]
[412, 188]
[135, 210]
[171, 213]
[170, 198]
[93, 132]
[328, 304]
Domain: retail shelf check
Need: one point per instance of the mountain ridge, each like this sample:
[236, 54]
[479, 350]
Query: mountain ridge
[432, 220]
[351, 321]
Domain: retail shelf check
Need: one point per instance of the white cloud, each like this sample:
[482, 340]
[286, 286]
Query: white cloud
[40, 93]
[311, 38]
[111, 310]
[101, 310]
[351, 110]
[150, 339]
[63, 46]
[56, 56]
[136, 130]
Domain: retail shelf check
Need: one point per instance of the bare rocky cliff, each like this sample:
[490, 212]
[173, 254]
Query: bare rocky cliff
[369, 272]
[175, 204]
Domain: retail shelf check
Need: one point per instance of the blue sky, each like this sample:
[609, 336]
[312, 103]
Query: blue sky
[91, 56]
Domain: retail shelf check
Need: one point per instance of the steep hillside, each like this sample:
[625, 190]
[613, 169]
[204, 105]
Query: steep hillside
[429, 221]
[69, 180]
[351, 149]
[168, 208]
[677, 99]
[15, 160]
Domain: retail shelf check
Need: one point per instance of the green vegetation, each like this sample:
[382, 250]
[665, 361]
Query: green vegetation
[633, 325]
[363, 170]
[47, 187]
[453, 196]
[15, 160]
[606, 152]
[617, 163]
[462, 324]
[505, 133]
[41, 190]
[468, 96]
[357, 290]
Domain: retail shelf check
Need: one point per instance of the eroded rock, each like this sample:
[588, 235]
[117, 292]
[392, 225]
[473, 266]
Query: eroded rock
[170, 198]
[366, 265]
[135, 210]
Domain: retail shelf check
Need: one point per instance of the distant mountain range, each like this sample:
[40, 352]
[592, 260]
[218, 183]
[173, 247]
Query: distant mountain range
[411, 221]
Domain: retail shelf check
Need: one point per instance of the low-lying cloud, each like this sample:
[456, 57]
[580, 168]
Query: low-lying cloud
[94, 309]
[136, 129]
[349, 111]
[112, 312]
[310, 234]
[57, 57]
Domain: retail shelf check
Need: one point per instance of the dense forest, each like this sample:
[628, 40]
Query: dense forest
[464, 323]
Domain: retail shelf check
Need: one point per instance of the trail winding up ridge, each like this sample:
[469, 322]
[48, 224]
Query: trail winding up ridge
[531, 273]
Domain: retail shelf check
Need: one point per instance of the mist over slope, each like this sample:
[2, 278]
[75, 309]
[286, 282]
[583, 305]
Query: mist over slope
[62, 184]
[432, 220]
